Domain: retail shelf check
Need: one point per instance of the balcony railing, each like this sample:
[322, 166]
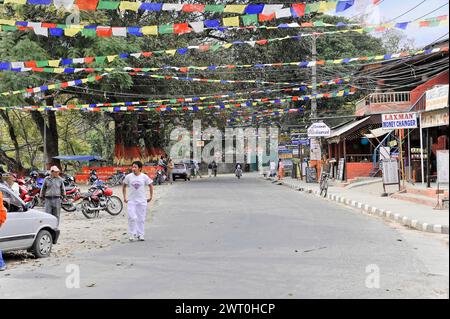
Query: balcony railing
[383, 99]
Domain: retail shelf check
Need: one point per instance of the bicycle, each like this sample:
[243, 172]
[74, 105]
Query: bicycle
[324, 184]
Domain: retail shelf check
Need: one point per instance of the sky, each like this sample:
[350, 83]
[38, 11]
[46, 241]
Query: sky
[390, 9]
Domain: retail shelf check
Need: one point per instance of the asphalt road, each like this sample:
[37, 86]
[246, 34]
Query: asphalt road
[229, 238]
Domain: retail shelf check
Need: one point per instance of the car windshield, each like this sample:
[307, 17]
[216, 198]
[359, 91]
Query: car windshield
[179, 166]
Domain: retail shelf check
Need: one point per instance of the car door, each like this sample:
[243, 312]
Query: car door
[19, 230]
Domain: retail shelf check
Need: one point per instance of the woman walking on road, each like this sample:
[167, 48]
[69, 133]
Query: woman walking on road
[280, 169]
[137, 200]
[170, 167]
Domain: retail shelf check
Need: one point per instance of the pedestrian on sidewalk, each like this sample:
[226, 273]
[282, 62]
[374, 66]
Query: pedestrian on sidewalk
[137, 200]
[273, 169]
[214, 168]
[197, 170]
[210, 168]
[3, 216]
[170, 167]
[280, 169]
[53, 191]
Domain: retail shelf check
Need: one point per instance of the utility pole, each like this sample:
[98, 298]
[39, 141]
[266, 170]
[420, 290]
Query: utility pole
[314, 78]
[45, 141]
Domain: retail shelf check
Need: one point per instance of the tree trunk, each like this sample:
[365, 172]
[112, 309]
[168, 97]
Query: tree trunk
[130, 129]
[51, 132]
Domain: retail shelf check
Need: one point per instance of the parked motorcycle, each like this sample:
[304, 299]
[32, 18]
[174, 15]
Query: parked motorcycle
[93, 178]
[73, 195]
[100, 198]
[116, 179]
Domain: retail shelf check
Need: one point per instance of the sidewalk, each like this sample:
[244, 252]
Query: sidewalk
[367, 197]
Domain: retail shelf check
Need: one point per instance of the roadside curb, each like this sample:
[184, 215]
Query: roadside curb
[371, 210]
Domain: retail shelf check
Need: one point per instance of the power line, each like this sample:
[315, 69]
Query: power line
[407, 11]
[430, 12]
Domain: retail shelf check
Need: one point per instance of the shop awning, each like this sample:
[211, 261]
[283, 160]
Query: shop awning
[346, 129]
[79, 158]
[377, 133]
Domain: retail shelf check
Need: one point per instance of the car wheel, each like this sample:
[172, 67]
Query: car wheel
[43, 244]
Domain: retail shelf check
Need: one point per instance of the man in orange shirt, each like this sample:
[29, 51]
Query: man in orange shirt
[2, 221]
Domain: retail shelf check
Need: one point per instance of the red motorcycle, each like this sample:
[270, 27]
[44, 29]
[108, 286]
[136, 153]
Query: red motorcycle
[98, 198]
[29, 193]
[73, 194]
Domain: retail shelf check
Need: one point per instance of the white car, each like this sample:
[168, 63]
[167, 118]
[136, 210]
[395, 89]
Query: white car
[180, 170]
[27, 229]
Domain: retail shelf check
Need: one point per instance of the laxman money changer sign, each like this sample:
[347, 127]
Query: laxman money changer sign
[399, 121]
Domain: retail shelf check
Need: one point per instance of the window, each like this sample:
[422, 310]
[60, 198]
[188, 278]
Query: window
[11, 202]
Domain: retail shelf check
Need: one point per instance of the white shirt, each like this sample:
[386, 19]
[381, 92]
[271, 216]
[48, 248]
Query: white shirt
[272, 166]
[137, 184]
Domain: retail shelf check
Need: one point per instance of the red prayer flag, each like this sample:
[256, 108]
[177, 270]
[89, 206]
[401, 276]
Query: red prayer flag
[266, 17]
[87, 4]
[193, 7]
[104, 32]
[299, 9]
[181, 28]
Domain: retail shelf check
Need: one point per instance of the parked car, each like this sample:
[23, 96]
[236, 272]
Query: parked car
[180, 170]
[190, 164]
[27, 229]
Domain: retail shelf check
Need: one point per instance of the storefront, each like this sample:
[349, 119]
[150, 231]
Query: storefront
[350, 150]
[434, 126]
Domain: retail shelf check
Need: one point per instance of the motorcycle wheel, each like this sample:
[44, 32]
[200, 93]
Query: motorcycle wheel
[69, 207]
[114, 205]
[84, 209]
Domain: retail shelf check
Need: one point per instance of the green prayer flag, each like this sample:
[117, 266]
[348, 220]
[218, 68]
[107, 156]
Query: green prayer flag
[100, 59]
[89, 32]
[214, 8]
[165, 29]
[108, 5]
[41, 64]
[250, 19]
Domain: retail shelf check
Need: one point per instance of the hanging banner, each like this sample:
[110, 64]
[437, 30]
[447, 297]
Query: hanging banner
[399, 121]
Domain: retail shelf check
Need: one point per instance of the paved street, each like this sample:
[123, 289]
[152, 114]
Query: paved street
[229, 238]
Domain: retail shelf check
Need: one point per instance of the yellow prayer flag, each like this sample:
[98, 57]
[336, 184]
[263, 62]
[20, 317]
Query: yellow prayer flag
[150, 30]
[111, 58]
[171, 52]
[51, 86]
[231, 22]
[379, 57]
[7, 22]
[58, 70]
[128, 5]
[53, 63]
[72, 31]
[235, 8]
[337, 61]
[15, 1]
[227, 45]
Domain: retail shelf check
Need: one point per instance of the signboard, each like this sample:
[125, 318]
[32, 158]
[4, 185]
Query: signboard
[434, 118]
[200, 143]
[304, 167]
[295, 152]
[311, 175]
[319, 130]
[315, 151]
[340, 171]
[399, 121]
[437, 98]
[442, 166]
[385, 153]
[285, 156]
[390, 172]
[301, 142]
[286, 151]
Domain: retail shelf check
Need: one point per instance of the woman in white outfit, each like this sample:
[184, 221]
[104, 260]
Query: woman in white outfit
[137, 200]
